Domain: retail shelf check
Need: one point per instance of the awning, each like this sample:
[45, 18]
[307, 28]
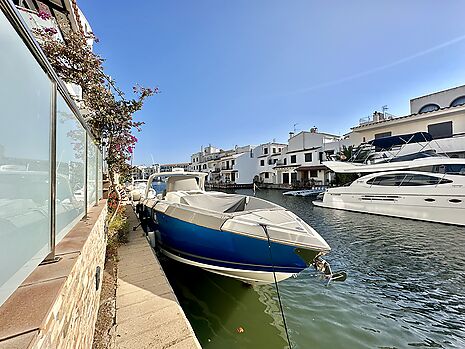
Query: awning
[310, 168]
[286, 166]
[388, 142]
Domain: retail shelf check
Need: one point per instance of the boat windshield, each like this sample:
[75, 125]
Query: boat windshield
[405, 147]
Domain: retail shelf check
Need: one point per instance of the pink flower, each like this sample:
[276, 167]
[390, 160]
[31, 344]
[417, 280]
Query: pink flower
[50, 31]
[44, 15]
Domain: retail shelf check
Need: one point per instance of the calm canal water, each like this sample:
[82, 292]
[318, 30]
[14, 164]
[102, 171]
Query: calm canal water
[405, 289]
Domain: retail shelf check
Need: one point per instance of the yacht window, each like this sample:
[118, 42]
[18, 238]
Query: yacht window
[389, 180]
[419, 179]
[457, 169]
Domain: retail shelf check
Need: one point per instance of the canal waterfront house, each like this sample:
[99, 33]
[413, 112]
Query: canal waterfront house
[175, 166]
[301, 161]
[52, 212]
[268, 155]
[442, 114]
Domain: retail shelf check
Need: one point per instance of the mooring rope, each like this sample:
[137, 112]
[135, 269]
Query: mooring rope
[276, 284]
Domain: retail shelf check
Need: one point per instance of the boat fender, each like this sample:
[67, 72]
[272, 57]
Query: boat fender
[151, 238]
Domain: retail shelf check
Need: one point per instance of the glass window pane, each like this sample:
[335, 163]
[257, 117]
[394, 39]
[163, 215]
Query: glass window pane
[100, 175]
[25, 94]
[91, 171]
[70, 169]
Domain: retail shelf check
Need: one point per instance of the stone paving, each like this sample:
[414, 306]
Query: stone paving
[148, 314]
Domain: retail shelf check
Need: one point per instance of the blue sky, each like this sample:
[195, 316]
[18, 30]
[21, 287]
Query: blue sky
[245, 71]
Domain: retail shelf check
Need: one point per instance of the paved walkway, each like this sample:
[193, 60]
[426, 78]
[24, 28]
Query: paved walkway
[148, 314]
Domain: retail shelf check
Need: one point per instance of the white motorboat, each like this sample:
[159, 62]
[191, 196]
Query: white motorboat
[239, 236]
[306, 192]
[423, 185]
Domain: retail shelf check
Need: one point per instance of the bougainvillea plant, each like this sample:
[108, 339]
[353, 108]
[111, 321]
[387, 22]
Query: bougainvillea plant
[109, 117]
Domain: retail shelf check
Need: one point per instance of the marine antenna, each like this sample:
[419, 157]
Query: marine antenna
[276, 284]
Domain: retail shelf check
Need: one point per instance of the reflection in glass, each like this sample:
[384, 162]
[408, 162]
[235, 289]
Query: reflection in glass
[71, 140]
[91, 171]
[25, 94]
[100, 175]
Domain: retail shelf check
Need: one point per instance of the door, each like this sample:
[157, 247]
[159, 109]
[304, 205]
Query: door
[293, 177]
[285, 178]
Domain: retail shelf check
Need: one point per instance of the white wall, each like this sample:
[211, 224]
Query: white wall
[246, 167]
[442, 98]
[411, 124]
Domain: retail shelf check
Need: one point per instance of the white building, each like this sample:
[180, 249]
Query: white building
[442, 114]
[268, 155]
[301, 160]
[170, 167]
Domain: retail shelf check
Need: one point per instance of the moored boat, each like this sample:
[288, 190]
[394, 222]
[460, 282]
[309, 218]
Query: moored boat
[420, 185]
[239, 236]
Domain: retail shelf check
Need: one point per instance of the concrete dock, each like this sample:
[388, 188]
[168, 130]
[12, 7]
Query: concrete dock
[148, 314]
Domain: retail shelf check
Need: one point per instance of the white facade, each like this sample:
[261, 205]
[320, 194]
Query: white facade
[268, 155]
[446, 124]
[301, 161]
[443, 99]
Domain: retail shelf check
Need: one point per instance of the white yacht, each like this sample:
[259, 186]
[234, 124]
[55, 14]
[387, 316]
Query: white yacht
[422, 185]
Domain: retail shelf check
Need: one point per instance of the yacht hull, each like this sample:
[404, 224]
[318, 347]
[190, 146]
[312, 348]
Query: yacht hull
[446, 209]
[246, 258]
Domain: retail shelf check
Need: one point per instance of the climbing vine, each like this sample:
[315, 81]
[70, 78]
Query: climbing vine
[110, 117]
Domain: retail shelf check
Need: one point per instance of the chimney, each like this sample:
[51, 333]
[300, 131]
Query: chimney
[291, 134]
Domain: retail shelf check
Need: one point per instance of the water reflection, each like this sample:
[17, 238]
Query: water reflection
[406, 288]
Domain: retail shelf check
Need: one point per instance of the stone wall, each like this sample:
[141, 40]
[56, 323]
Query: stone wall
[71, 321]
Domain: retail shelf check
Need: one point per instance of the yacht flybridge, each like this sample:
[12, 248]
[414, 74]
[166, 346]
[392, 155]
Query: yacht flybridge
[239, 236]
[397, 182]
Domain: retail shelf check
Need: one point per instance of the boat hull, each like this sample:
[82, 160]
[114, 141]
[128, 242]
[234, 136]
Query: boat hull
[429, 208]
[243, 257]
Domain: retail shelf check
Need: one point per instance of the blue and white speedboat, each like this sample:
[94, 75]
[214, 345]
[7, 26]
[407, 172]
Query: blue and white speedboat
[239, 236]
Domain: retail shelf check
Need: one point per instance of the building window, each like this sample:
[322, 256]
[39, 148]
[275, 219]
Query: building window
[232, 162]
[313, 173]
[383, 135]
[285, 161]
[251, 153]
[267, 175]
[320, 156]
[440, 130]
[274, 150]
[428, 108]
[265, 151]
[262, 162]
[293, 159]
[458, 101]
[308, 157]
